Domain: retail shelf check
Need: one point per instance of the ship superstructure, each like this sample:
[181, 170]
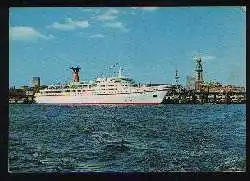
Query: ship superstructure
[104, 90]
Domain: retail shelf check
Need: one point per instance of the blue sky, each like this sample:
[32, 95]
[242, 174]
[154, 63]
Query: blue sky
[149, 43]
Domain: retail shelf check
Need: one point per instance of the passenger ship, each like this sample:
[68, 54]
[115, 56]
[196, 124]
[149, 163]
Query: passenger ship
[110, 90]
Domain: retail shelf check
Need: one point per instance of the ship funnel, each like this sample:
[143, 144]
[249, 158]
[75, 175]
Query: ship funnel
[75, 77]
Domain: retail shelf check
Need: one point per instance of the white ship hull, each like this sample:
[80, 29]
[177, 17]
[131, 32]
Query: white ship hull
[155, 97]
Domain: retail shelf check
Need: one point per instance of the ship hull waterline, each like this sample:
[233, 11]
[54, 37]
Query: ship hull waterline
[146, 98]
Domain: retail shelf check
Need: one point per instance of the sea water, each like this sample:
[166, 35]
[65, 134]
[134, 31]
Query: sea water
[160, 138]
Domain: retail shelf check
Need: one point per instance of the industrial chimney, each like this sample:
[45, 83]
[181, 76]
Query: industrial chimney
[75, 77]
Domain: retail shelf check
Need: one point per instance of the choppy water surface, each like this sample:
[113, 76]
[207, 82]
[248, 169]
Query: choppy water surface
[49, 138]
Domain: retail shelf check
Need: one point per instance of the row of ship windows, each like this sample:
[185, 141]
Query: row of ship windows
[124, 85]
[97, 93]
[94, 85]
[74, 91]
[104, 85]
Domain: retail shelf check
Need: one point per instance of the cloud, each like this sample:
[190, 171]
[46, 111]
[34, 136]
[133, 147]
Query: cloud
[150, 8]
[204, 57]
[146, 8]
[244, 9]
[117, 25]
[92, 10]
[96, 36]
[26, 33]
[86, 9]
[69, 24]
[110, 14]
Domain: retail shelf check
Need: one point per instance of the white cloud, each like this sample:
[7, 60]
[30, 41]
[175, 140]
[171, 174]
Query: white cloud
[244, 9]
[117, 25]
[146, 8]
[69, 24]
[96, 36]
[110, 14]
[149, 8]
[92, 10]
[86, 9]
[204, 57]
[26, 33]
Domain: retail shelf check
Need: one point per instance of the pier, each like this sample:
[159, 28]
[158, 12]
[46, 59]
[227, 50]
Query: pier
[192, 97]
[24, 94]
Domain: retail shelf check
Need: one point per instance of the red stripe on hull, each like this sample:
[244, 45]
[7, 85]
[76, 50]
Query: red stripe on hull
[137, 103]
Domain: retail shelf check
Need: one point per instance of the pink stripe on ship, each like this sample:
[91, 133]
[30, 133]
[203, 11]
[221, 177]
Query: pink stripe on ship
[137, 103]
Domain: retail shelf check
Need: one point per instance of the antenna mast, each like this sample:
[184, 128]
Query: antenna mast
[120, 72]
[177, 78]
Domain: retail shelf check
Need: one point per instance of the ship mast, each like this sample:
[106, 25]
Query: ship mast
[177, 78]
[120, 72]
